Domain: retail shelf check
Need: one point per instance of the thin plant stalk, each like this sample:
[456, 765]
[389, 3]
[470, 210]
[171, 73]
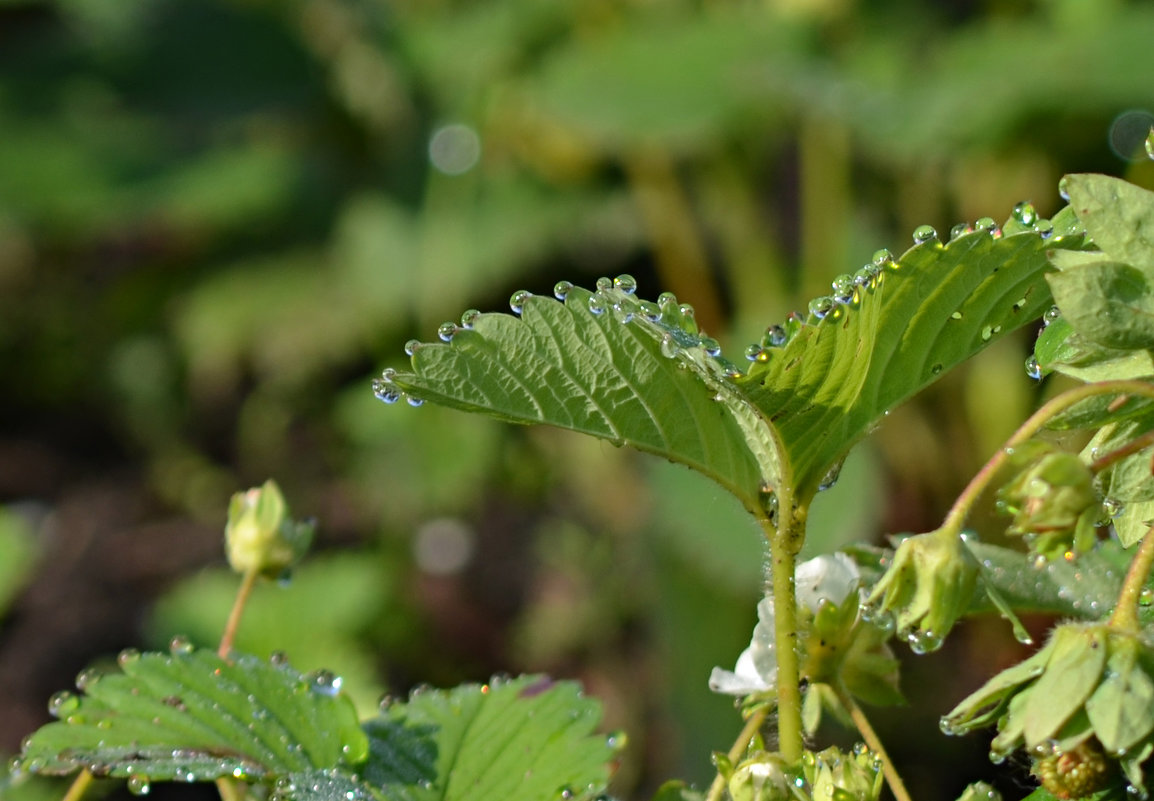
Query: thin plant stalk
[248, 581]
[1035, 423]
[79, 786]
[871, 739]
[1125, 614]
[748, 732]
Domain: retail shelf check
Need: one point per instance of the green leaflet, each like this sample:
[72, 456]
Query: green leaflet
[639, 373]
[1121, 710]
[191, 716]
[521, 740]
[1118, 216]
[1076, 659]
[1108, 302]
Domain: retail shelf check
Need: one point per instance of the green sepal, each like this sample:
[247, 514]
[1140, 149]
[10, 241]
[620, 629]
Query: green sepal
[984, 705]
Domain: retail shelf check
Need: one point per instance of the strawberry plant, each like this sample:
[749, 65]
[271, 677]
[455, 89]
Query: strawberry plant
[771, 425]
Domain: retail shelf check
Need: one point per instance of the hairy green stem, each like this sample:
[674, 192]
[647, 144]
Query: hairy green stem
[238, 605]
[1125, 614]
[739, 747]
[1117, 455]
[893, 778]
[785, 541]
[79, 786]
[1036, 422]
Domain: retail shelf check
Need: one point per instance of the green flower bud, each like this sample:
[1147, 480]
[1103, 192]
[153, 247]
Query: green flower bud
[260, 536]
[1090, 685]
[761, 777]
[927, 588]
[1053, 503]
[838, 776]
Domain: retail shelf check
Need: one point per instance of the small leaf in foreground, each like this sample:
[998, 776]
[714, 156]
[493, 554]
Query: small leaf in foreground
[192, 716]
[526, 739]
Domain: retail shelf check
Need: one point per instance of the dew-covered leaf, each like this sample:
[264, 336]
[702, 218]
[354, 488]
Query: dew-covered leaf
[1085, 587]
[191, 716]
[933, 308]
[1108, 302]
[639, 373]
[521, 740]
[1118, 216]
[561, 364]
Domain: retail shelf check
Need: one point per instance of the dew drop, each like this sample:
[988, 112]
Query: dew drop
[936, 369]
[561, 289]
[650, 310]
[517, 300]
[127, 657]
[324, 682]
[711, 346]
[960, 230]
[1025, 213]
[446, 331]
[604, 284]
[985, 224]
[62, 704]
[597, 303]
[139, 785]
[1045, 228]
[412, 346]
[86, 678]
[626, 283]
[385, 391]
[821, 306]
[774, 337]
[622, 313]
[469, 317]
[923, 642]
[1052, 314]
[1033, 370]
[924, 234]
[1113, 507]
[669, 346]
[843, 288]
[1064, 189]
[414, 401]
[830, 478]
[987, 333]
[180, 645]
[753, 352]
[866, 277]
[882, 258]
[956, 315]
[1146, 597]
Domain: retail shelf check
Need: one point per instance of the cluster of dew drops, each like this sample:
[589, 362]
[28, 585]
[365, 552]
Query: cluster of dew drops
[190, 765]
[678, 329]
[680, 333]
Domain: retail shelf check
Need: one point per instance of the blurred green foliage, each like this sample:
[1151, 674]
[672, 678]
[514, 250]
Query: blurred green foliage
[219, 217]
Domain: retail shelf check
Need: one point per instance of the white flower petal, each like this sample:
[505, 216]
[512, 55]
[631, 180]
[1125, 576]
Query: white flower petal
[830, 576]
[742, 680]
